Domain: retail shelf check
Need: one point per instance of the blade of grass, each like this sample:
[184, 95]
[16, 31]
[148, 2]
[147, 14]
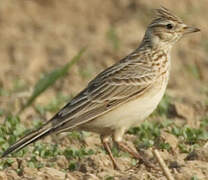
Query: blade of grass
[50, 78]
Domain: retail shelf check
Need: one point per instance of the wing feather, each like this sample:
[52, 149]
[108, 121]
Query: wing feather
[108, 90]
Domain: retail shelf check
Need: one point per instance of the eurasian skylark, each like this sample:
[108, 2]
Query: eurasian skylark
[124, 94]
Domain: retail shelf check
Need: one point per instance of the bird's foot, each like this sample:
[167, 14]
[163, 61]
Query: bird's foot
[142, 158]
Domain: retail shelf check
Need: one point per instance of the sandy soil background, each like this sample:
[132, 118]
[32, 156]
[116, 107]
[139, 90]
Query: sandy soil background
[37, 36]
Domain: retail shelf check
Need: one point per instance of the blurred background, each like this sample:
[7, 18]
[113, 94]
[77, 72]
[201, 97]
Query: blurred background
[38, 36]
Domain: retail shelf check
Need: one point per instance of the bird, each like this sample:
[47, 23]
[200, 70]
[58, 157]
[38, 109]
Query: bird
[123, 95]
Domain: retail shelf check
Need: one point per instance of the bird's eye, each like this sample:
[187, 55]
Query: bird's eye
[169, 26]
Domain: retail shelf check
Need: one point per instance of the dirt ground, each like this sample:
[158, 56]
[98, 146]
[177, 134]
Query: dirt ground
[37, 36]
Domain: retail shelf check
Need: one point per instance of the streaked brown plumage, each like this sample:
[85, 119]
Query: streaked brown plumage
[124, 94]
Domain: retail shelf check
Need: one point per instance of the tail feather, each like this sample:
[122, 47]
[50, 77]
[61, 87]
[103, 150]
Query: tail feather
[29, 138]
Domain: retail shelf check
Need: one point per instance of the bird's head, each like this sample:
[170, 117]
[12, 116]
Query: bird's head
[166, 29]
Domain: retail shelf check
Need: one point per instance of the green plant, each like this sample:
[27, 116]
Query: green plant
[148, 134]
[45, 150]
[50, 78]
[10, 131]
[163, 107]
[6, 163]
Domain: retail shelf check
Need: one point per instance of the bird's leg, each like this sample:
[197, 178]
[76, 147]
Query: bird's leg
[105, 142]
[124, 147]
[135, 154]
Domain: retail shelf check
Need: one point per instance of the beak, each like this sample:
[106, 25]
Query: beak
[188, 29]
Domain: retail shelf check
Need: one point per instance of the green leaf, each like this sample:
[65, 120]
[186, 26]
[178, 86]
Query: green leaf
[164, 106]
[6, 163]
[194, 178]
[49, 79]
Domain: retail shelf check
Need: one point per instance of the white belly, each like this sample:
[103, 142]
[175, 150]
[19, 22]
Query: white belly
[133, 112]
